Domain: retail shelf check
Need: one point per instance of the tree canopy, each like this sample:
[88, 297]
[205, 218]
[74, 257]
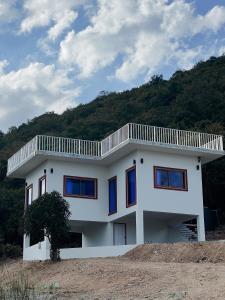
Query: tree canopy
[48, 216]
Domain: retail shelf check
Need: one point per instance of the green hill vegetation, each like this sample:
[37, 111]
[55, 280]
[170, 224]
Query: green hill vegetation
[192, 100]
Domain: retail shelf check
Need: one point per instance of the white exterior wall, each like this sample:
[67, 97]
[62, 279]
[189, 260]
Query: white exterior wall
[119, 169]
[155, 231]
[170, 201]
[39, 251]
[81, 208]
[148, 198]
[99, 234]
[98, 231]
[131, 232]
[105, 251]
[33, 178]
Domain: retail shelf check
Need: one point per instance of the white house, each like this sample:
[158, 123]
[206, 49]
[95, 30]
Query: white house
[141, 184]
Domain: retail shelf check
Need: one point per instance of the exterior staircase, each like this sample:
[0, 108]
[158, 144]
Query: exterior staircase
[188, 231]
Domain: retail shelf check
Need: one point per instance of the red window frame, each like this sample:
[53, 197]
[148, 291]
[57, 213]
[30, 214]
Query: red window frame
[184, 171]
[110, 179]
[40, 185]
[127, 171]
[80, 196]
[27, 195]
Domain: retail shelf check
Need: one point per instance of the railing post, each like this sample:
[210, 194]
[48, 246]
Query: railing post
[79, 147]
[177, 138]
[154, 134]
[199, 140]
[221, 143]
[110, 142]
[36, 143]
[59, 144]
[99, 148]
[129, 129]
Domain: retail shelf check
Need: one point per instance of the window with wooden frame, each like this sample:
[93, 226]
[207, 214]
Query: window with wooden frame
[80, 187]
[131, 194]
[170, 178]
[29, 195]
[42, 186]
[112, 182]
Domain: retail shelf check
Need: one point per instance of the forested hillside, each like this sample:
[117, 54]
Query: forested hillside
[192, 100]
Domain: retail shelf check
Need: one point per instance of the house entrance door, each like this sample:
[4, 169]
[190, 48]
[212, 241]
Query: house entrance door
[119, 234]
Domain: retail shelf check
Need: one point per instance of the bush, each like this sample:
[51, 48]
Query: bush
[13, 251]
[10, 251]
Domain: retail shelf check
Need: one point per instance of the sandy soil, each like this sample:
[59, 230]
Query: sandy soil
[128, 278]
[212, 251]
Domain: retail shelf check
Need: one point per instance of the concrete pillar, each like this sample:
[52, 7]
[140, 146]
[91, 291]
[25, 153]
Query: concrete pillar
[26, 241]
[201, 228]
[47, 246]
[139, 227]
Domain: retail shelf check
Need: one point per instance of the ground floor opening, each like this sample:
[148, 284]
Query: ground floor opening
[101, 239]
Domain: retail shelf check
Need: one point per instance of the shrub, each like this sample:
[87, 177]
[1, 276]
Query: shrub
[13, 251]
[10, 251]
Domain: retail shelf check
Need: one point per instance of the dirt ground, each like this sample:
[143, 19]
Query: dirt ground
[148, 272]
[213, 252]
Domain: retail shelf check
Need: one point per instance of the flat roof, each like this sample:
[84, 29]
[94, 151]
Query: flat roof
[129, 138]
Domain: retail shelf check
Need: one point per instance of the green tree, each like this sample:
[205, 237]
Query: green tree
[48, 216]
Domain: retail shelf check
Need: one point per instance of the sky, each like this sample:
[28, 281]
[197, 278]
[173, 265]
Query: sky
[56, 54]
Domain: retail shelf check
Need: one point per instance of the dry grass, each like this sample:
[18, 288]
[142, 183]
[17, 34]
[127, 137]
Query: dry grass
[130, 277]
[18, 285]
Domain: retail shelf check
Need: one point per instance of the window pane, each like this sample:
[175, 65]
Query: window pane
[162, 178]
[176, 179]
[170, 178]
[131, 187]
[69, 186]
[76, 187]
[88, 188]
[112, 196]
[80, 187]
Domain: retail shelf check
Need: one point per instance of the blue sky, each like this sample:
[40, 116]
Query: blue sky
[57, 54]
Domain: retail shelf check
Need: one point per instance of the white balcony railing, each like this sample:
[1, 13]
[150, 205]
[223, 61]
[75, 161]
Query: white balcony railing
[54, 145]
[132, 132]
[68, 146]
[115, 139]
[161, 135]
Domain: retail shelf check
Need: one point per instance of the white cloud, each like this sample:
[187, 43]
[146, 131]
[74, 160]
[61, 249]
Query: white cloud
[3, 64]
[33, 90]
[56, 14]
[63, 22]
[214, 19]
[143, 34]
[8, 11]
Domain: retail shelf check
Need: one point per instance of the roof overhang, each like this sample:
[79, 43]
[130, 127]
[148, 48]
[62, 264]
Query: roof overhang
[115, 154]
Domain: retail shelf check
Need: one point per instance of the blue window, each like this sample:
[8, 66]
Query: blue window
[80, 187]
[131, 186]
[112, 195]
[168, 178]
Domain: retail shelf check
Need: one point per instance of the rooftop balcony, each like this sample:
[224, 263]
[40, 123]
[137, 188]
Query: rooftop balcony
[207, 146]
